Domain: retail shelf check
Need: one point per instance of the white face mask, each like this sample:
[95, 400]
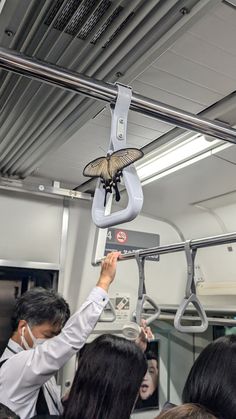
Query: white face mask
[36, 341]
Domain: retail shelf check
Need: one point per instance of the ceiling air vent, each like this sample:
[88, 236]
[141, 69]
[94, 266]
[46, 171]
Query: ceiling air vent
[75, 18]
[118, 30]
[106, 24]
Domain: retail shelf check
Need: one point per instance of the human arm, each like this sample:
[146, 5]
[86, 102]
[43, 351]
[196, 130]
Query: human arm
[108, 271]
[34, 367]
[145, 336]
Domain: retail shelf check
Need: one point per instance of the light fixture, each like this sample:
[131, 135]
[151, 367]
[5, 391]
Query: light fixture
[2, 2]
[168, 159]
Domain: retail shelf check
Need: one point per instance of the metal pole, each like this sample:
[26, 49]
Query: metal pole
[216, 321]
[178, 247]
[20, 64]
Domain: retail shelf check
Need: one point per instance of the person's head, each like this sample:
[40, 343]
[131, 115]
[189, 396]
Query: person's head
[6, 413]
[189, 410]
[39, 314]
[150, 380]
[212, 379]
[107, 380]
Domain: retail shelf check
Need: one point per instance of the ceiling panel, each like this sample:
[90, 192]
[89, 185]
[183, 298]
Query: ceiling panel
[178, 86]
[152, 123]
[198, 74]
[173, 195]
[137, 124]
[166, 97]
[226, 13]
[200, 51]
[228, 154]
[215, 31]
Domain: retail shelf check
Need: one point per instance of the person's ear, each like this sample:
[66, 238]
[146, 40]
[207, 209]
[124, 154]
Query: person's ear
[22, 324]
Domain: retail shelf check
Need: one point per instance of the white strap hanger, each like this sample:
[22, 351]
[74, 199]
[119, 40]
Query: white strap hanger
[119, 116]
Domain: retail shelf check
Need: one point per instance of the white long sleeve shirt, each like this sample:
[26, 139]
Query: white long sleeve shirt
[25, 371]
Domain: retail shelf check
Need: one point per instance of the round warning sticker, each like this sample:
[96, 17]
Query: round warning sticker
[121, 236]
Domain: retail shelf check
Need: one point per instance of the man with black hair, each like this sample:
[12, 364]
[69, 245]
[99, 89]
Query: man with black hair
[42, 343]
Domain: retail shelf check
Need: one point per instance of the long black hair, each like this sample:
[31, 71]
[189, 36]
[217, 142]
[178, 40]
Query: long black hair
[212, 379]
[107, 380]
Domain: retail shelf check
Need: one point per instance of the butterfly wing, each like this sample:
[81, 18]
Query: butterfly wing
[123, 158]
[97, 168]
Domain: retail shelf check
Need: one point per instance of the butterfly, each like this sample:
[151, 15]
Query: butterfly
[109, 168]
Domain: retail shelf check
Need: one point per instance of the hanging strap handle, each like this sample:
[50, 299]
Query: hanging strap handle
[131, 180]
[108, 318]
[142, 296]
[190, 297]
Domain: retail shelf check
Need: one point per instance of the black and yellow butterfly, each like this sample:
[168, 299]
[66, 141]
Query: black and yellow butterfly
[109, 168]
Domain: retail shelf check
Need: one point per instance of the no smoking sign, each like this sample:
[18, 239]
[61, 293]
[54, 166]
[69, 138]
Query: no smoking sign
[121, 236]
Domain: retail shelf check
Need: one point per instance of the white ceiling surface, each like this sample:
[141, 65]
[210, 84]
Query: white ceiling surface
[196, 72]
[172, 195]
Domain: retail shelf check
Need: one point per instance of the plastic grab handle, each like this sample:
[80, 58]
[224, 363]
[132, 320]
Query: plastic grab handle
[139, 315]
[131, 180]
[108, 319]
[133, 208]
[180, 316]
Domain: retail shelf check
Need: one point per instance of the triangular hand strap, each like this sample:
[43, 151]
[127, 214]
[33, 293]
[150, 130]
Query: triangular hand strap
[143, 297]
[179, 317]
[190, 297]
[140, 313]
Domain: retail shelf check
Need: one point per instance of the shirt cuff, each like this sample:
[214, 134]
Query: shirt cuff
[99, 296]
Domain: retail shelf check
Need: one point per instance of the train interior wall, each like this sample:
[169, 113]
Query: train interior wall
[32, 231]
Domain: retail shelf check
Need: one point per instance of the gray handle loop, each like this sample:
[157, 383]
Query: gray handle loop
[190, 297]
[108, 318]
[179, 316]
[139, 313]
[119, 116]
[143, 297]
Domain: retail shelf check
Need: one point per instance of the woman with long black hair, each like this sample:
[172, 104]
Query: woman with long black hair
[107, 380]
[212, 379]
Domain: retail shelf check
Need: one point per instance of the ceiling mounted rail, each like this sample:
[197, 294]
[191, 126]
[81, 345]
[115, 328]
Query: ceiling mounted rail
[57, 76]
[179, 247]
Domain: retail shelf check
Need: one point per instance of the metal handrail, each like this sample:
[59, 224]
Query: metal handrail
[179, 247]
[66, 79]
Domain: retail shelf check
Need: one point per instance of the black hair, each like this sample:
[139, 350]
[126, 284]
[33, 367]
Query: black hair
[151, 355]
[40, 305]
[6, 413]
[107, 380]
[212, 379]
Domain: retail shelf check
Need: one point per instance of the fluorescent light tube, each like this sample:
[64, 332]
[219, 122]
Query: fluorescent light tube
[2, 2]
[187, 152]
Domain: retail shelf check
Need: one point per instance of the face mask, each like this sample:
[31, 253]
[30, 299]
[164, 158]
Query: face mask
[36, 341]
